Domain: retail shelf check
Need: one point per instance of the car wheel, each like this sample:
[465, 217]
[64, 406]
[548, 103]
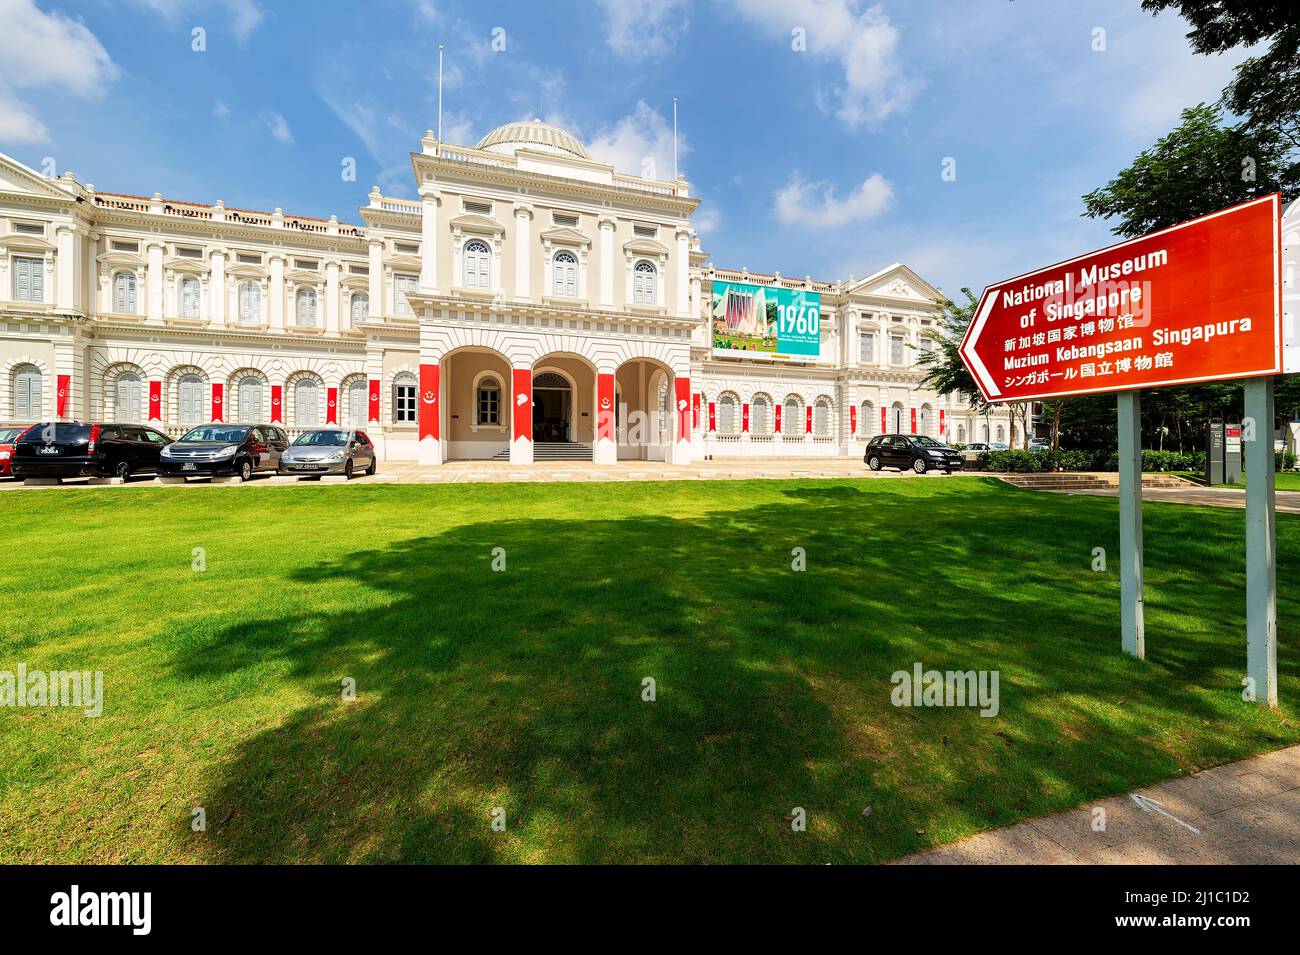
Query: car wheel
[347, 470]
[873, 462]
[246, 470]
[919, 465]
[374, 466]
[123, 470]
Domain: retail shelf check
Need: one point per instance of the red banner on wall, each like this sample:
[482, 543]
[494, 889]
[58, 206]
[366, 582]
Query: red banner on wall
[695, 411]
[683, 386]
[744, 416]
[64, 386]
[277, 404]
[606, 413]
[218, 401]
[853, 419]
[155, 400]
[807, 416]
[913, 421]
[713, 416]
[943, 428]
[884, 420]
[521, 397]
[331, 406]
[430, 427]
[373, 414]
[778, 419]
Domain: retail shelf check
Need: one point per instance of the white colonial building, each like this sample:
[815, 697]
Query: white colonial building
[533, 300]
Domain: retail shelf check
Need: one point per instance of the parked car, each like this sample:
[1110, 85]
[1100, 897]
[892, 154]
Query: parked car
[978, 446]
[915, 451]
[81, 449]
[223, 450]
[1040, 444]
[329, 451]
[7, 438]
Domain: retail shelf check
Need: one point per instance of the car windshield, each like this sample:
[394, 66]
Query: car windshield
[925, 442]
[49, 432]
[8, 434]
[217, 433]
[331, 439]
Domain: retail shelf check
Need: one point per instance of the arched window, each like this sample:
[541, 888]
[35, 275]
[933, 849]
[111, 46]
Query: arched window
[760, 415]
[404, 386]
[643, 284]
[128, 397]
[307, 307]
[29, 397]
[1002, 435]
[727, 415]
[124, 301]
[961, 434]
[822, 418]
[792, 422]
[866, 418]
[360, 308]
[478, 265]
[190, 399]
[250, 303]
[487, 401]
[896, 418]
[358, 403]
[306, 403]
[249, 395]
[924, 419]
[565, 267]
[189, 297]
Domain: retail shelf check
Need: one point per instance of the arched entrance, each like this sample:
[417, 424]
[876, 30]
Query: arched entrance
[552, 407]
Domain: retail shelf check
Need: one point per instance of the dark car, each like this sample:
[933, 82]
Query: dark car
[915, 451]
[225, 450]
[77, 449]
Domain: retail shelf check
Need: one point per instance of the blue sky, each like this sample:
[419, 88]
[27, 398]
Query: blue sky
[816, 152]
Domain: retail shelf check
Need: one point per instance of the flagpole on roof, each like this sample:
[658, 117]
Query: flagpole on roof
[439, 99]
[674, 139]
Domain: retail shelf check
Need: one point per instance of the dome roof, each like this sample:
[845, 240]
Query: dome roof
[532, 134]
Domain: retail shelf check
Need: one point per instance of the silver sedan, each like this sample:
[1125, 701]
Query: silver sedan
[329, 451]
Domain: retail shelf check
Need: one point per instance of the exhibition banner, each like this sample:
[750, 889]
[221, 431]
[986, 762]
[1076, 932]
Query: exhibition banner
[759, 321]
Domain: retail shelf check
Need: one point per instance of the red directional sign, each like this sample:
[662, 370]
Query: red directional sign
[1199, 301]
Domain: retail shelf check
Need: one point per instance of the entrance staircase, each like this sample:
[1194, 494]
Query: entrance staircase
[1086, 481]
[553, 451]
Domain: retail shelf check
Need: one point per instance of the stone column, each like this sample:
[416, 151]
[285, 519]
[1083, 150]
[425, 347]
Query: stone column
[607, 264]
[429, 201]
[681, 273]
[66, 267]
[217, 288]
[523, 251]
[276, 294]
[377, 278]
[331, 298]
[154, 282]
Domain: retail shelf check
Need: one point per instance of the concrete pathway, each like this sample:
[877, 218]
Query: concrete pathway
[1244, 812]
[1211, 496]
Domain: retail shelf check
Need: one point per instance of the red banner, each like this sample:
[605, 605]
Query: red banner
[913, 421]
[218, 401]
[331, 406]
[277, 404]
[695, 411]
[744, 416]
[683, 387]
[521, 409]
[884, 420]
[1199, 301]
[429, 425]
[64, 385]
[778, 419]
[713, 416]
[155, 400]
[373, 414]
[606, 413]
[943, 428]
[807, 415]
[853, 419]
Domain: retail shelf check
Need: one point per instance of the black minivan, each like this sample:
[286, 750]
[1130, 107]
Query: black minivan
[67, 449]
[219, 449]
[915, 451]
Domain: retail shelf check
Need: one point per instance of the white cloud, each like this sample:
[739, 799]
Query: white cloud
[863, 42]
[706, 219]
[815, 203]
[640, 143]
[245, 15]
[220, 110]
[644, 29]
[278, 126]
[42, 50]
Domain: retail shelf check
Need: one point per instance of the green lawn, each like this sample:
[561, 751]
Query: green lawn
[522, 689]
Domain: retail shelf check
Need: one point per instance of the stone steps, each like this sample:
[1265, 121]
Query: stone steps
[1085, 481]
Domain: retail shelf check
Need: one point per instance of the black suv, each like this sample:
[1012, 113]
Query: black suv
[225, 450]
[915, 451]
[75, 449]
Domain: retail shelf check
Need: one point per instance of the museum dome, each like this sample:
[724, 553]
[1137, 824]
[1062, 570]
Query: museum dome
[532, 134]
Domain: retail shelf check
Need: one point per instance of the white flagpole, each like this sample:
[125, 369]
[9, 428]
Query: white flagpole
[674, 139]
[439, 99]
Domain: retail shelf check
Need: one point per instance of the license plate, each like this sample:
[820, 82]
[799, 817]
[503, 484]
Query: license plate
[188, 467]
[47, 450]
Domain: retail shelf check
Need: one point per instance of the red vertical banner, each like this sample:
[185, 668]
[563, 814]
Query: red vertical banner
[713, 416]
[155, 400]
[331, 406]
[64, 388]
[218, 401]
[807, 419]
[695, 411]
[277, 404]
[853, 419]
[778, 419]
[884, 420]
[606, 413]
[913, 421]
[682, 385]
[521, 409]
[373, 414]
[429, 424]
[744, 417]
[942, 427]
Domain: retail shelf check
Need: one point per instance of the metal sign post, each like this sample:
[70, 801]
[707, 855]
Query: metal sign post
[1132, 618]
[1261, 544]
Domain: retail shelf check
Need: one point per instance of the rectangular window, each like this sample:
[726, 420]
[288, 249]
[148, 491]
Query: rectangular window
[406, 248]
[29, 228]
[404, 404]
[358, 270]
[645, 231]
[563, 218]
[248, 258]
[401, 285]
[189, 253]
[480, 208]
[867, 347]
[29, 279]
[307, 265]
[125, 246]
[895, 349]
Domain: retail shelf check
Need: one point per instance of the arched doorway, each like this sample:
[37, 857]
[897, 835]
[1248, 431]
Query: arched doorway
[552, 407]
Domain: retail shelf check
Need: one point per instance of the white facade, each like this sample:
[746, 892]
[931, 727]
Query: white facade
[531, 294]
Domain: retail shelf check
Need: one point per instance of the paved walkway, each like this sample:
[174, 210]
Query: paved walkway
[1211, 496]
[1244, 812]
